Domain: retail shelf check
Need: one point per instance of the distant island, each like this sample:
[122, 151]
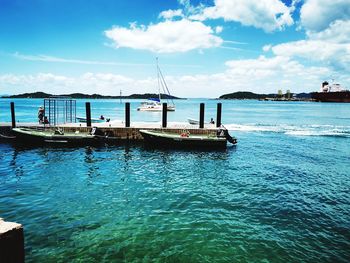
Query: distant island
[240, 95]
[246, 95]
[42, 95]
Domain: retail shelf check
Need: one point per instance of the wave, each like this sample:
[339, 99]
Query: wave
[294, 130]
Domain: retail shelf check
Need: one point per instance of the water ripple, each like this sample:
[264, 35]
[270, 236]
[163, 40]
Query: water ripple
[257, 203]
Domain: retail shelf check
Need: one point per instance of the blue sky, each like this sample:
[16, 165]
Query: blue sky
[205, 48]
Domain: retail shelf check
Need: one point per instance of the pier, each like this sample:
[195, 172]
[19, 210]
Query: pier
[124, 130]
[11, 242]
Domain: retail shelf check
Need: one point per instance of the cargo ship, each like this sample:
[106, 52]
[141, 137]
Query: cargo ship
[331, 93]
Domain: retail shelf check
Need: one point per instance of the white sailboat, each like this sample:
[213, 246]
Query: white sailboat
[154, 104]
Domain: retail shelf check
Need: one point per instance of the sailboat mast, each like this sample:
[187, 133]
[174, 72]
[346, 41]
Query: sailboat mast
[164, 85]
[158, 79]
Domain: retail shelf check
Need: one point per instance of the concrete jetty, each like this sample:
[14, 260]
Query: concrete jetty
[11, 242]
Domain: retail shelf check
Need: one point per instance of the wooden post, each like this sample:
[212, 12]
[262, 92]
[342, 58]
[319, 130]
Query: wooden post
[218, 114]
[88, 114]
[13, 117]
[11, 242]
[201, 116]
[127, 114]
[164, 116]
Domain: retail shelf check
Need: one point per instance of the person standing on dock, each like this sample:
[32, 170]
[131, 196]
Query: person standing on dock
[41, 113]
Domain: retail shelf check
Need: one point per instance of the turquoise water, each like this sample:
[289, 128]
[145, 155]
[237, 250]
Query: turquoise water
[281, 194]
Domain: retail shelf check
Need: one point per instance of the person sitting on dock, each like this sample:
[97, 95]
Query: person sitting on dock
[45, 121]
[41, 113]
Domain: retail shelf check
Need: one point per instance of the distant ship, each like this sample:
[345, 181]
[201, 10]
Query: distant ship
[331, 93]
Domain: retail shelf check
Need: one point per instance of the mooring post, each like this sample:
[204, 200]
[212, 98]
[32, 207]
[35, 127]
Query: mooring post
[201, 116]
[11, 242]
[164, 117]
[13, 117]
[218, 114]
[127, 114]
[88, 114]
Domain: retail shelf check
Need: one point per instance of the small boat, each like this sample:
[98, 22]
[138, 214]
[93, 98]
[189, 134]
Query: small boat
[160, 138]
[196, 122]
[193, 121]
[57, 136]
[93, 120]
[154, 104]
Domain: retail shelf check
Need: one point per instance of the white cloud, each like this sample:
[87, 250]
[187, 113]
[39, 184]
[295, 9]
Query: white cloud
[165, 37]
[337, 32]
[261, 75]
[87, 83]
[327, 42]
[276, 70]
[267, 48]
[218, 29]
[169, 14]
[268, 15]
[317, 15]
[46, 58]
[313, 49]
[329, 47]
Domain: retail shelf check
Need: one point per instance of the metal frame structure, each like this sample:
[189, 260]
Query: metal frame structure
[60, 109]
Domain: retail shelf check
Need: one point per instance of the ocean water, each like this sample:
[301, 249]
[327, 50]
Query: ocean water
[282, 194]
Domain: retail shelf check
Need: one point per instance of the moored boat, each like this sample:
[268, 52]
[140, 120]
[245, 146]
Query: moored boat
[193, 121]
[160, 138]
[331, 93]
[196, 122]
[57, 136]
[154, 104]
[93, 120]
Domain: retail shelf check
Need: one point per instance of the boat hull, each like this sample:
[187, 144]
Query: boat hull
[163, 140]
[29, 136]
[83, 120]
[337, 96]
[193, 121]
[155, 109]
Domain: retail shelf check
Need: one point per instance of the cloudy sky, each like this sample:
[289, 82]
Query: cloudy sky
[206, 48]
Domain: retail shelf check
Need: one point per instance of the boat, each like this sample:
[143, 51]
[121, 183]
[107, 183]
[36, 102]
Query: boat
[155, 104]
[161, 138]
[331, 93]
[196, 122]
[193, 121]
[56, 136]
[6, 137]
[93, 120]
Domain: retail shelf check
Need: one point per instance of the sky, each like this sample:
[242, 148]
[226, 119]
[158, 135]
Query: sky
[205, 48]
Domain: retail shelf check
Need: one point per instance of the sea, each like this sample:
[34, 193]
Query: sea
[282, 194]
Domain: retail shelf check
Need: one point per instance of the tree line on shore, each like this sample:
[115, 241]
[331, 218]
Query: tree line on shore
[240, 95]
[42, 95]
